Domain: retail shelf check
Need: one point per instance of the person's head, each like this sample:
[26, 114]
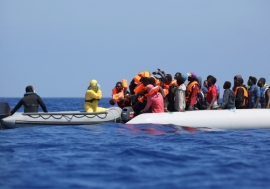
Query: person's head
[168, 79]
[93, 84]
[119, 86]
[211, 80]
[192, 76]
[227, 85]
[252, 80]
[144, 81]
[152, 81]
[205, 83]
[180, 80]
[177, 74]
[112, 102]
[236, 77]
[261, 82]
[239, 82]
[29, 88]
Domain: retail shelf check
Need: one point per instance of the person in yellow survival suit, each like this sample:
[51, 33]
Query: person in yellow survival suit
[92, 96]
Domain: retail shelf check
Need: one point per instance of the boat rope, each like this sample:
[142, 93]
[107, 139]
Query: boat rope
[67, 116]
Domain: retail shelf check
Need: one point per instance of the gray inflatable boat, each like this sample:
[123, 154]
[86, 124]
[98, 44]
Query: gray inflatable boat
[20, 119]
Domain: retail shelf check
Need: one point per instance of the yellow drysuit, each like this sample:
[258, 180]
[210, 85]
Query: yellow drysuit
[92, 95]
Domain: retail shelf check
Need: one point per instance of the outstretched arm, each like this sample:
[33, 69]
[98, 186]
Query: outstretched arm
[16, 107]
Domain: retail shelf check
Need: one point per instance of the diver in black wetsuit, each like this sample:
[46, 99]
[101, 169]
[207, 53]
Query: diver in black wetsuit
[30, 101]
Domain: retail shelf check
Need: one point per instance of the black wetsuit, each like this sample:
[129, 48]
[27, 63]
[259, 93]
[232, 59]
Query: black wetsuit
[30, 101]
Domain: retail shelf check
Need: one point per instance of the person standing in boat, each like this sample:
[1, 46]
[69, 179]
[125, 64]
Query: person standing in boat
[265, 93]
[211, 97]
[92, 96]
[241, 94]
[228, 97]
[30, 101]
[180, 95]
[254, 93]
[193, 88]
[154, 100]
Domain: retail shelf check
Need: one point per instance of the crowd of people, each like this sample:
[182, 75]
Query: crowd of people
[149, 93]
[159, 92]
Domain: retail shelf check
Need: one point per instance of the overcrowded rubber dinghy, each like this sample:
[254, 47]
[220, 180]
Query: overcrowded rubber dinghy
[214, 119]
[20, 119]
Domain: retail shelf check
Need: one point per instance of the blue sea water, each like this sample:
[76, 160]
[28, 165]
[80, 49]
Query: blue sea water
[114, 155]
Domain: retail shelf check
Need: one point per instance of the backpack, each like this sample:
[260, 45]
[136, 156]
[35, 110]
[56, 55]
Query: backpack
[200, 101]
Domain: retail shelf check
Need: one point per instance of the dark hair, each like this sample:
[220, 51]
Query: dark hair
[227, 85]
[168, 77]
[118, 83]
[144, 79]
[29, 88]
[180, 80]
[213, 79]
[263, 80]
[152, 81]
[253, 79]
[209, 76]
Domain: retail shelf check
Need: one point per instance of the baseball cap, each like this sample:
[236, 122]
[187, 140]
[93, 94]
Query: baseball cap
[192, 74]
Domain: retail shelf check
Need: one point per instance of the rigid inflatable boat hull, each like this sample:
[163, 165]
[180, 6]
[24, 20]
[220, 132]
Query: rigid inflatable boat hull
[215, 119]
[61, 118]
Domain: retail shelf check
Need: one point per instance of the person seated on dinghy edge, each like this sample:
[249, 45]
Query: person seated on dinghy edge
[154, 100]
[228, 101]
[241, 94]
[120, 96]
[30, 101]
[211, 98]
[254, 93]
[193, 88]
[265, 93]
[92, 95]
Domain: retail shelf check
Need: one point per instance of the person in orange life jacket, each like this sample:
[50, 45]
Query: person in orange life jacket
[154, 100]
[30, 101]
[120, 96]
[211, 98]
[166, 86]
[228, 97]
[136, 80]
[265, 93]
[254, 93]
[193, 88]
[241, 94]
[217, 88]
[235, 80]
[136, 104]
[180, 95]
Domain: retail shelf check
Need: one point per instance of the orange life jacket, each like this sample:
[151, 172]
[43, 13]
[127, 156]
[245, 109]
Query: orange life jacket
[245, 94]
[139, 88]
[116, 96]
[140, 75]
[151, 92]
[124, 83]
[189, 89]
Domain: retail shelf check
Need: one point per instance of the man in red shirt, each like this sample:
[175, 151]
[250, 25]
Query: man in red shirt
[212, 93]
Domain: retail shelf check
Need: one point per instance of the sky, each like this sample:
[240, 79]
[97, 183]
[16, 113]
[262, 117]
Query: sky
[58, 46]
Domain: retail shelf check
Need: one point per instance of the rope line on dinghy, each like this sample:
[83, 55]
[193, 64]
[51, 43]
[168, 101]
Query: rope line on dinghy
[46, 116]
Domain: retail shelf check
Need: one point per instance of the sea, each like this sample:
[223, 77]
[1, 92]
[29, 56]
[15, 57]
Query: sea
[120, 156]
